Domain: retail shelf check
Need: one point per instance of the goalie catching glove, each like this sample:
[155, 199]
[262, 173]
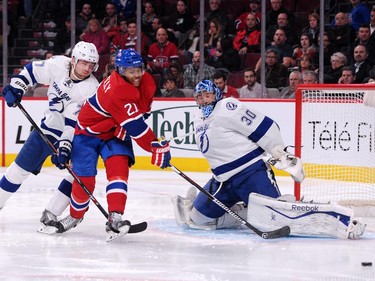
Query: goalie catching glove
[62, 157]
[283, 160]
[161, 155]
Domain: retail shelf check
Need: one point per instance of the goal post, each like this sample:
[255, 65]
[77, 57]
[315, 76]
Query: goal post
[335, 138]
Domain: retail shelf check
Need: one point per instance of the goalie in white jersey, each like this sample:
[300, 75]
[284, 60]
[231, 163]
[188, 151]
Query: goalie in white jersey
[70, 82]
[235, 140]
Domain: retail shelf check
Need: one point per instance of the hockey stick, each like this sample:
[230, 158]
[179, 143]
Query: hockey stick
[281, 232]
[133, 229]
[44, 137]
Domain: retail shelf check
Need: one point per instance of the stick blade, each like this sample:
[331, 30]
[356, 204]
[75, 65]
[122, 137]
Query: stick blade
[139, 227]
[278, 233]
[111, 235]
[47, 229]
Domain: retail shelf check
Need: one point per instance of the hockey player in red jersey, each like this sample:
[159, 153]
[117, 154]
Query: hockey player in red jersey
[106, 125]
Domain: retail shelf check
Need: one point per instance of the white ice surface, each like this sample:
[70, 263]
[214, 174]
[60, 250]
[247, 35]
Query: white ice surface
[164, 251]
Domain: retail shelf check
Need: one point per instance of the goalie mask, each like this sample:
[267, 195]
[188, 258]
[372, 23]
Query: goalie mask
[128, 58]
[207, 86]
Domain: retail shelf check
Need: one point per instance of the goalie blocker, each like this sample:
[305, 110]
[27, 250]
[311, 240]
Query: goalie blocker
[305, 219]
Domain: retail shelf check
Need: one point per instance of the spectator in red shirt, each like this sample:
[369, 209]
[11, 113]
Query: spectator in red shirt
[248, 40]
[306, 47]
[111, 20]
[95, 34]
[220, 80]
[161, 54]
[129, 39]
[119, 38]
[255, 5]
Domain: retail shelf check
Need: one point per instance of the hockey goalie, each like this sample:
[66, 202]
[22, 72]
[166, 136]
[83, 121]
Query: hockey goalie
[267, 214]
[237, 142]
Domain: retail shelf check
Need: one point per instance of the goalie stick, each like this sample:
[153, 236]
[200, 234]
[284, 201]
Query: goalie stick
[134, 228]
[281, 232]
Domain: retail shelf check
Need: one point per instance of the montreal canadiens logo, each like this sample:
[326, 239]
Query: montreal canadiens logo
[231, 106]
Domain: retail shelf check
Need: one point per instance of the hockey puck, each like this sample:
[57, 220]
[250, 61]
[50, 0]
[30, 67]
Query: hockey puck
[366, 263]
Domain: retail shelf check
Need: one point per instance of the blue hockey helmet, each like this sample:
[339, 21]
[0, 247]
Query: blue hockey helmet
[209, 87]
[126, 59]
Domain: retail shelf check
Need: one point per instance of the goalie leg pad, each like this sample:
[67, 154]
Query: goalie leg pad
[188, 216]
[305, 219]
[200, 221]
[182, 206]
[228, 221]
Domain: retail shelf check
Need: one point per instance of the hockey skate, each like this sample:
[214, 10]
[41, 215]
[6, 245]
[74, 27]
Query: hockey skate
[67, 223]
[116, 227]
[49, 223]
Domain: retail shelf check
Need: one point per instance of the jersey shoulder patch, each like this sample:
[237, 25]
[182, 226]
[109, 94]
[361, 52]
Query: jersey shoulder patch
[230, 105]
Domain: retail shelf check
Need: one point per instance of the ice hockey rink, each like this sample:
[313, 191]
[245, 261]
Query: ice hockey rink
[164, 251]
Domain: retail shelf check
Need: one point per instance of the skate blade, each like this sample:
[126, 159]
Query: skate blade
[47, 229]
[113, 235]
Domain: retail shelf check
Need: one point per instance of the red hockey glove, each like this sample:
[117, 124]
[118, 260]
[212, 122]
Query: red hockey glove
[160, 154]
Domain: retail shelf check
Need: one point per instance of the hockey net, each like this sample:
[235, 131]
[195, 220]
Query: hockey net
[335, 138]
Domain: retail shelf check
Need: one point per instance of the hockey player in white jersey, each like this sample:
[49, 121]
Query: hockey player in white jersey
[234, 139]
[70, 82]
[237, 141]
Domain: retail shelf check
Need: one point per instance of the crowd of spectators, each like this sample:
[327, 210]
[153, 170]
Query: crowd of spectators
[170, 45]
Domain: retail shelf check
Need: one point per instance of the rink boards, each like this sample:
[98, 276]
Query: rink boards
[171, 118]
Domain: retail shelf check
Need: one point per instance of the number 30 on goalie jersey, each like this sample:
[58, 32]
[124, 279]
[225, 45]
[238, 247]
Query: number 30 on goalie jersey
[234, 137]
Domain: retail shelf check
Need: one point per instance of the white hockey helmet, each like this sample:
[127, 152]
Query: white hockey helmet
[87, 52]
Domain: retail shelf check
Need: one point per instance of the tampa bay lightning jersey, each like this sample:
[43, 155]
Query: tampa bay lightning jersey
[65, 96]
[234, 136]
